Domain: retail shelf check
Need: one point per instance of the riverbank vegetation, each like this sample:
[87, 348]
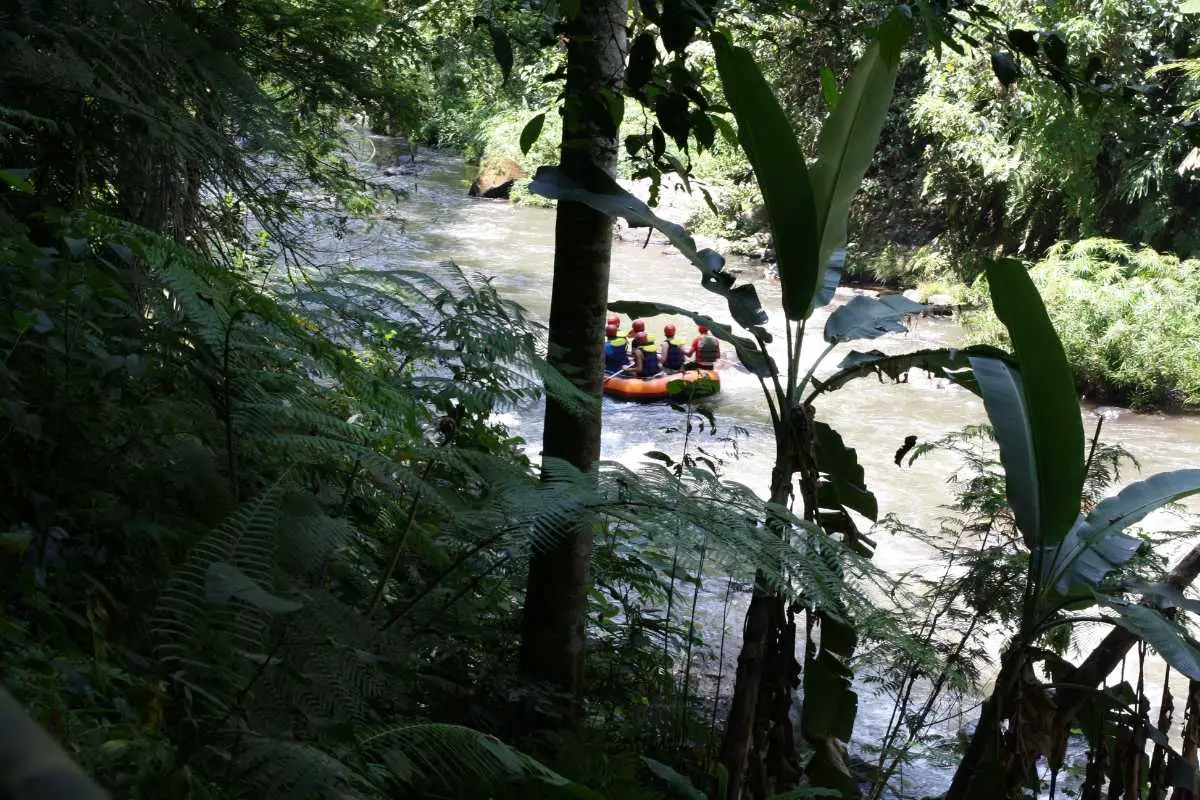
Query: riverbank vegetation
[264, 534]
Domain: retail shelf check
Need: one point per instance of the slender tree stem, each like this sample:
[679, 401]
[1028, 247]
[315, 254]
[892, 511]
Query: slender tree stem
[808, 375]
[712, 727]
[687, 664]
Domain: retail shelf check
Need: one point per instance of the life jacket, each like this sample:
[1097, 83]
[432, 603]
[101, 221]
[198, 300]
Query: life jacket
[675, 355]
[650, 366]
[709, 350]
[616, 356]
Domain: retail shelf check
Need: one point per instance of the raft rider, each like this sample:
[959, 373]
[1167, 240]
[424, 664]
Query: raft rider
[616, 350]
[672, 354]
[645, 355]
[705, 349]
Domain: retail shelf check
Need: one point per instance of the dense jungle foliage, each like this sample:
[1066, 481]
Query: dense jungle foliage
[264, 532]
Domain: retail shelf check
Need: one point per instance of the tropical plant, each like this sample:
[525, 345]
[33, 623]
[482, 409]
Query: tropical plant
[1032, 405]
[971, 596]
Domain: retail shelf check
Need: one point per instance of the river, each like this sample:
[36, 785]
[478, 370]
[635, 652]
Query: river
[514, 246]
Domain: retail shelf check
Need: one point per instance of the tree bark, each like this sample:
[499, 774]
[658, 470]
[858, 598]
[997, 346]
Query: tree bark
[553, 632]
[759, 645]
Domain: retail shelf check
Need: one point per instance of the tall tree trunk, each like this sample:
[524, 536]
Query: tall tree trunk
[553, 631]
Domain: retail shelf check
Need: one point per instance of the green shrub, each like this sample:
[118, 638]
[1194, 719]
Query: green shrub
[1128, 319]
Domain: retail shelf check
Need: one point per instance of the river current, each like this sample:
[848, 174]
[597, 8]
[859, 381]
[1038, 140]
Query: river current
[514, 245]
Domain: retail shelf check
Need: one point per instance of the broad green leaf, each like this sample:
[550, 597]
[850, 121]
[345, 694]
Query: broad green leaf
[78, 248]
[935, 31]
[679, 785]
[604, 194]
[15, 542]
[942, 362]
[870, 317]
[833, 277]
[697, 387]
[1165, 595]
[531, 132]
[770, 144]
[1162, 634]
[1095, 546]
[224, 582]
[1136, 500]
[849, 135]
[841, 464]
[748, 351]
[830, 705]
[1077, 563]
[1004, 400]
[1035, 413]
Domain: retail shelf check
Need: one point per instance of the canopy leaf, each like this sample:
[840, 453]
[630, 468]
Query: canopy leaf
[870, 317]
[1096, 545]
[1034, 411]
[846, 475]
[850, 133]
[1162, 634]
[770, 144]
[942, 362]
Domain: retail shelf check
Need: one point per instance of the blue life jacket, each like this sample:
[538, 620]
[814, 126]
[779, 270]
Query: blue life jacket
[675, 354]
[615, 355]
[650, 366]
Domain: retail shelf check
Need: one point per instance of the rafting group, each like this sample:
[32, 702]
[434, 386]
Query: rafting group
[637, 367]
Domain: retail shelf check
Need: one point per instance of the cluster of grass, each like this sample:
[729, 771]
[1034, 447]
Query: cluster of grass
[1128, 319]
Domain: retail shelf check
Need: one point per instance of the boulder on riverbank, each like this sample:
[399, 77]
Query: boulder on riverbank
[936, 305]
[496, 178]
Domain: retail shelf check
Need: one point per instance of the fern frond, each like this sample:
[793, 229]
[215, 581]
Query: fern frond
[185, 624]
[453, 757]
[291, 770]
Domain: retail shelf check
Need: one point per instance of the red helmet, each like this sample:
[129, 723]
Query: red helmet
[702, 329]
[669, 330]
[639, 338]
[639, 326]
[611, 331]
[613, 319]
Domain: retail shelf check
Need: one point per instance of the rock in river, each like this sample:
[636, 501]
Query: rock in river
[496, 178]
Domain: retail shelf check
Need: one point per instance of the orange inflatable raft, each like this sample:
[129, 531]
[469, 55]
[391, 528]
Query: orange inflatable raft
[631, 388]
